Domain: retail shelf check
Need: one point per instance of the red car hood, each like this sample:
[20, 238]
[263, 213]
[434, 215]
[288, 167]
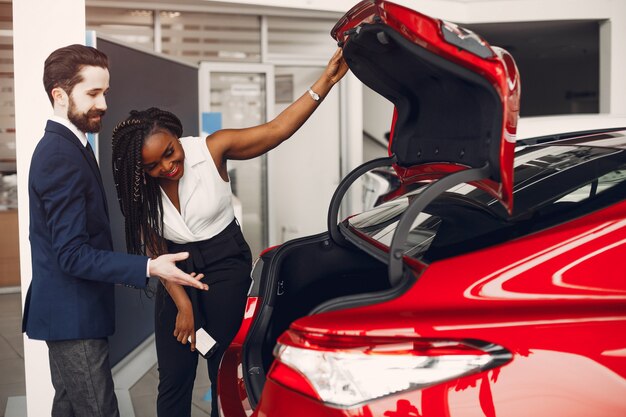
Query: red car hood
[456, 97]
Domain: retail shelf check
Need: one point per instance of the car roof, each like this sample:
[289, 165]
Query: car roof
[530, 127]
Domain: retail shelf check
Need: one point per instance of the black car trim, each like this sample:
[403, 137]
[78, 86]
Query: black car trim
[342, 188]
[531, 226]
[396, 253]
[366, 247]
[358, 300]
[465, 39]
[394, 258]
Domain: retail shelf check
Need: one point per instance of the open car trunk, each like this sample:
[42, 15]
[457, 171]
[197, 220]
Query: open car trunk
[300, 278]
[456, 103]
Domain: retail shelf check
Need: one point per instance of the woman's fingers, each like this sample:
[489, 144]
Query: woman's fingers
[186, 336]
[180, 336]
[193, 341]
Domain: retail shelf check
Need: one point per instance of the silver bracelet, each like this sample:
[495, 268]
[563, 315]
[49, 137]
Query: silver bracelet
[313, 95]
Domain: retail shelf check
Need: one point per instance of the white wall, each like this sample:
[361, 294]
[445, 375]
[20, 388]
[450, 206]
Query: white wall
[377, 115]
[39, 27]
[352, 136]
[304, 171]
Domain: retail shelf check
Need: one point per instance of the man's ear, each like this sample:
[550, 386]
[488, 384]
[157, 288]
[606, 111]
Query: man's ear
[60, 97]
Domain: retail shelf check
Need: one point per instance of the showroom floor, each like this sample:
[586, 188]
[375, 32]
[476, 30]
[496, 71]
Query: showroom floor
[11, 349]
[143, 393]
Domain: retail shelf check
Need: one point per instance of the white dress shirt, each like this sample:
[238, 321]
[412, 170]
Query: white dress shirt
[205, 198]
[65, 122]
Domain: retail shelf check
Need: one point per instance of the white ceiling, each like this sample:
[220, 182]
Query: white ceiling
[333, 6]
[550, 37]
[459, 11]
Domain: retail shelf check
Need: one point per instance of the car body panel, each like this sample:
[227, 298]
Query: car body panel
[555, 299]
[230, 378]
[547, 326]
[564, 264]
[508, 391]
[574, 298]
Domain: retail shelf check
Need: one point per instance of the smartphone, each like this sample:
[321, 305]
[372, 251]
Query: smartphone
[205, 344]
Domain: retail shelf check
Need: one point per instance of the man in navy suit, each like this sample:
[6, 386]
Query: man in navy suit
[70, 302]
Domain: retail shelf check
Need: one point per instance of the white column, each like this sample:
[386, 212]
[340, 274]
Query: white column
[605, 66]
[351, 136]
[613, 61]
[39, 27]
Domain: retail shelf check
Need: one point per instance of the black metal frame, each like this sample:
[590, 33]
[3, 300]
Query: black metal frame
[396, 253]
[395, 264]
[342, 188]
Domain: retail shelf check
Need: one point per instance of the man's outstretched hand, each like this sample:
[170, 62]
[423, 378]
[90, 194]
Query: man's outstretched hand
[165, 267]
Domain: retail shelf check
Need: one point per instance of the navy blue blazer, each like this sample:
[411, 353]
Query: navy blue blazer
[71, 295]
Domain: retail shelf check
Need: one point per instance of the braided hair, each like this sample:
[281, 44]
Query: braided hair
[139, 194]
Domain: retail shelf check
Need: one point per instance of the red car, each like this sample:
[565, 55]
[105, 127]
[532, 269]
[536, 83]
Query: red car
[490, 280]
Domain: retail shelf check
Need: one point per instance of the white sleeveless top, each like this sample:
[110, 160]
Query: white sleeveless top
[205, 198]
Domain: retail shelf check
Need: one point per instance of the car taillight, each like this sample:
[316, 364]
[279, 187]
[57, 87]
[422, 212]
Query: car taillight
[346, 371]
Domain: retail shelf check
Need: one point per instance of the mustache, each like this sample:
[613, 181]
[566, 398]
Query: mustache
[95, 112]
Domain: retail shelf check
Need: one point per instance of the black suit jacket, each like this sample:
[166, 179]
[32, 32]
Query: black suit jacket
[71, 295]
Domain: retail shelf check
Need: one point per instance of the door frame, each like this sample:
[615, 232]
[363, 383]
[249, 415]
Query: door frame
[204, 105]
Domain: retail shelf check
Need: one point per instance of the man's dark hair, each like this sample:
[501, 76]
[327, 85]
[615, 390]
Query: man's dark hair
[63, 66]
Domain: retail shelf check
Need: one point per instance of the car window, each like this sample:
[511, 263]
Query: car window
[553, 184]
[605, 182]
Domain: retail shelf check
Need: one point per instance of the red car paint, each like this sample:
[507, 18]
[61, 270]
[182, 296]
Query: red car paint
[553, 298]
[499, 70]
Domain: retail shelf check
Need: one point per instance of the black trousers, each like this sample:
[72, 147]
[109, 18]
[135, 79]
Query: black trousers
[225, 261]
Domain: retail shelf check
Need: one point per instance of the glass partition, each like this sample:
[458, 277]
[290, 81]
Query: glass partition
[237, 96]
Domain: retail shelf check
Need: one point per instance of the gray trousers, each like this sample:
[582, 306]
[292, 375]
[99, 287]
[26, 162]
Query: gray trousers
[82, 380]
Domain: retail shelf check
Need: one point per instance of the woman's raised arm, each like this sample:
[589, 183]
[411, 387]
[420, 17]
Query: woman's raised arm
[248, 143]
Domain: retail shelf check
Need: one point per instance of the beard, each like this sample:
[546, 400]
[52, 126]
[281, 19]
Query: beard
[83, 120]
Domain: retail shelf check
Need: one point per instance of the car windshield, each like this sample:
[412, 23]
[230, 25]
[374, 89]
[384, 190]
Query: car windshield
[553, 184]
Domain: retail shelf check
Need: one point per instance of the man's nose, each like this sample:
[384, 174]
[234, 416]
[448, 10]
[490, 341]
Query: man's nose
[101, 103]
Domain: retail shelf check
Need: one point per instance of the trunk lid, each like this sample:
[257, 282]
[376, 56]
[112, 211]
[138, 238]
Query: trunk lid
[456, 98]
